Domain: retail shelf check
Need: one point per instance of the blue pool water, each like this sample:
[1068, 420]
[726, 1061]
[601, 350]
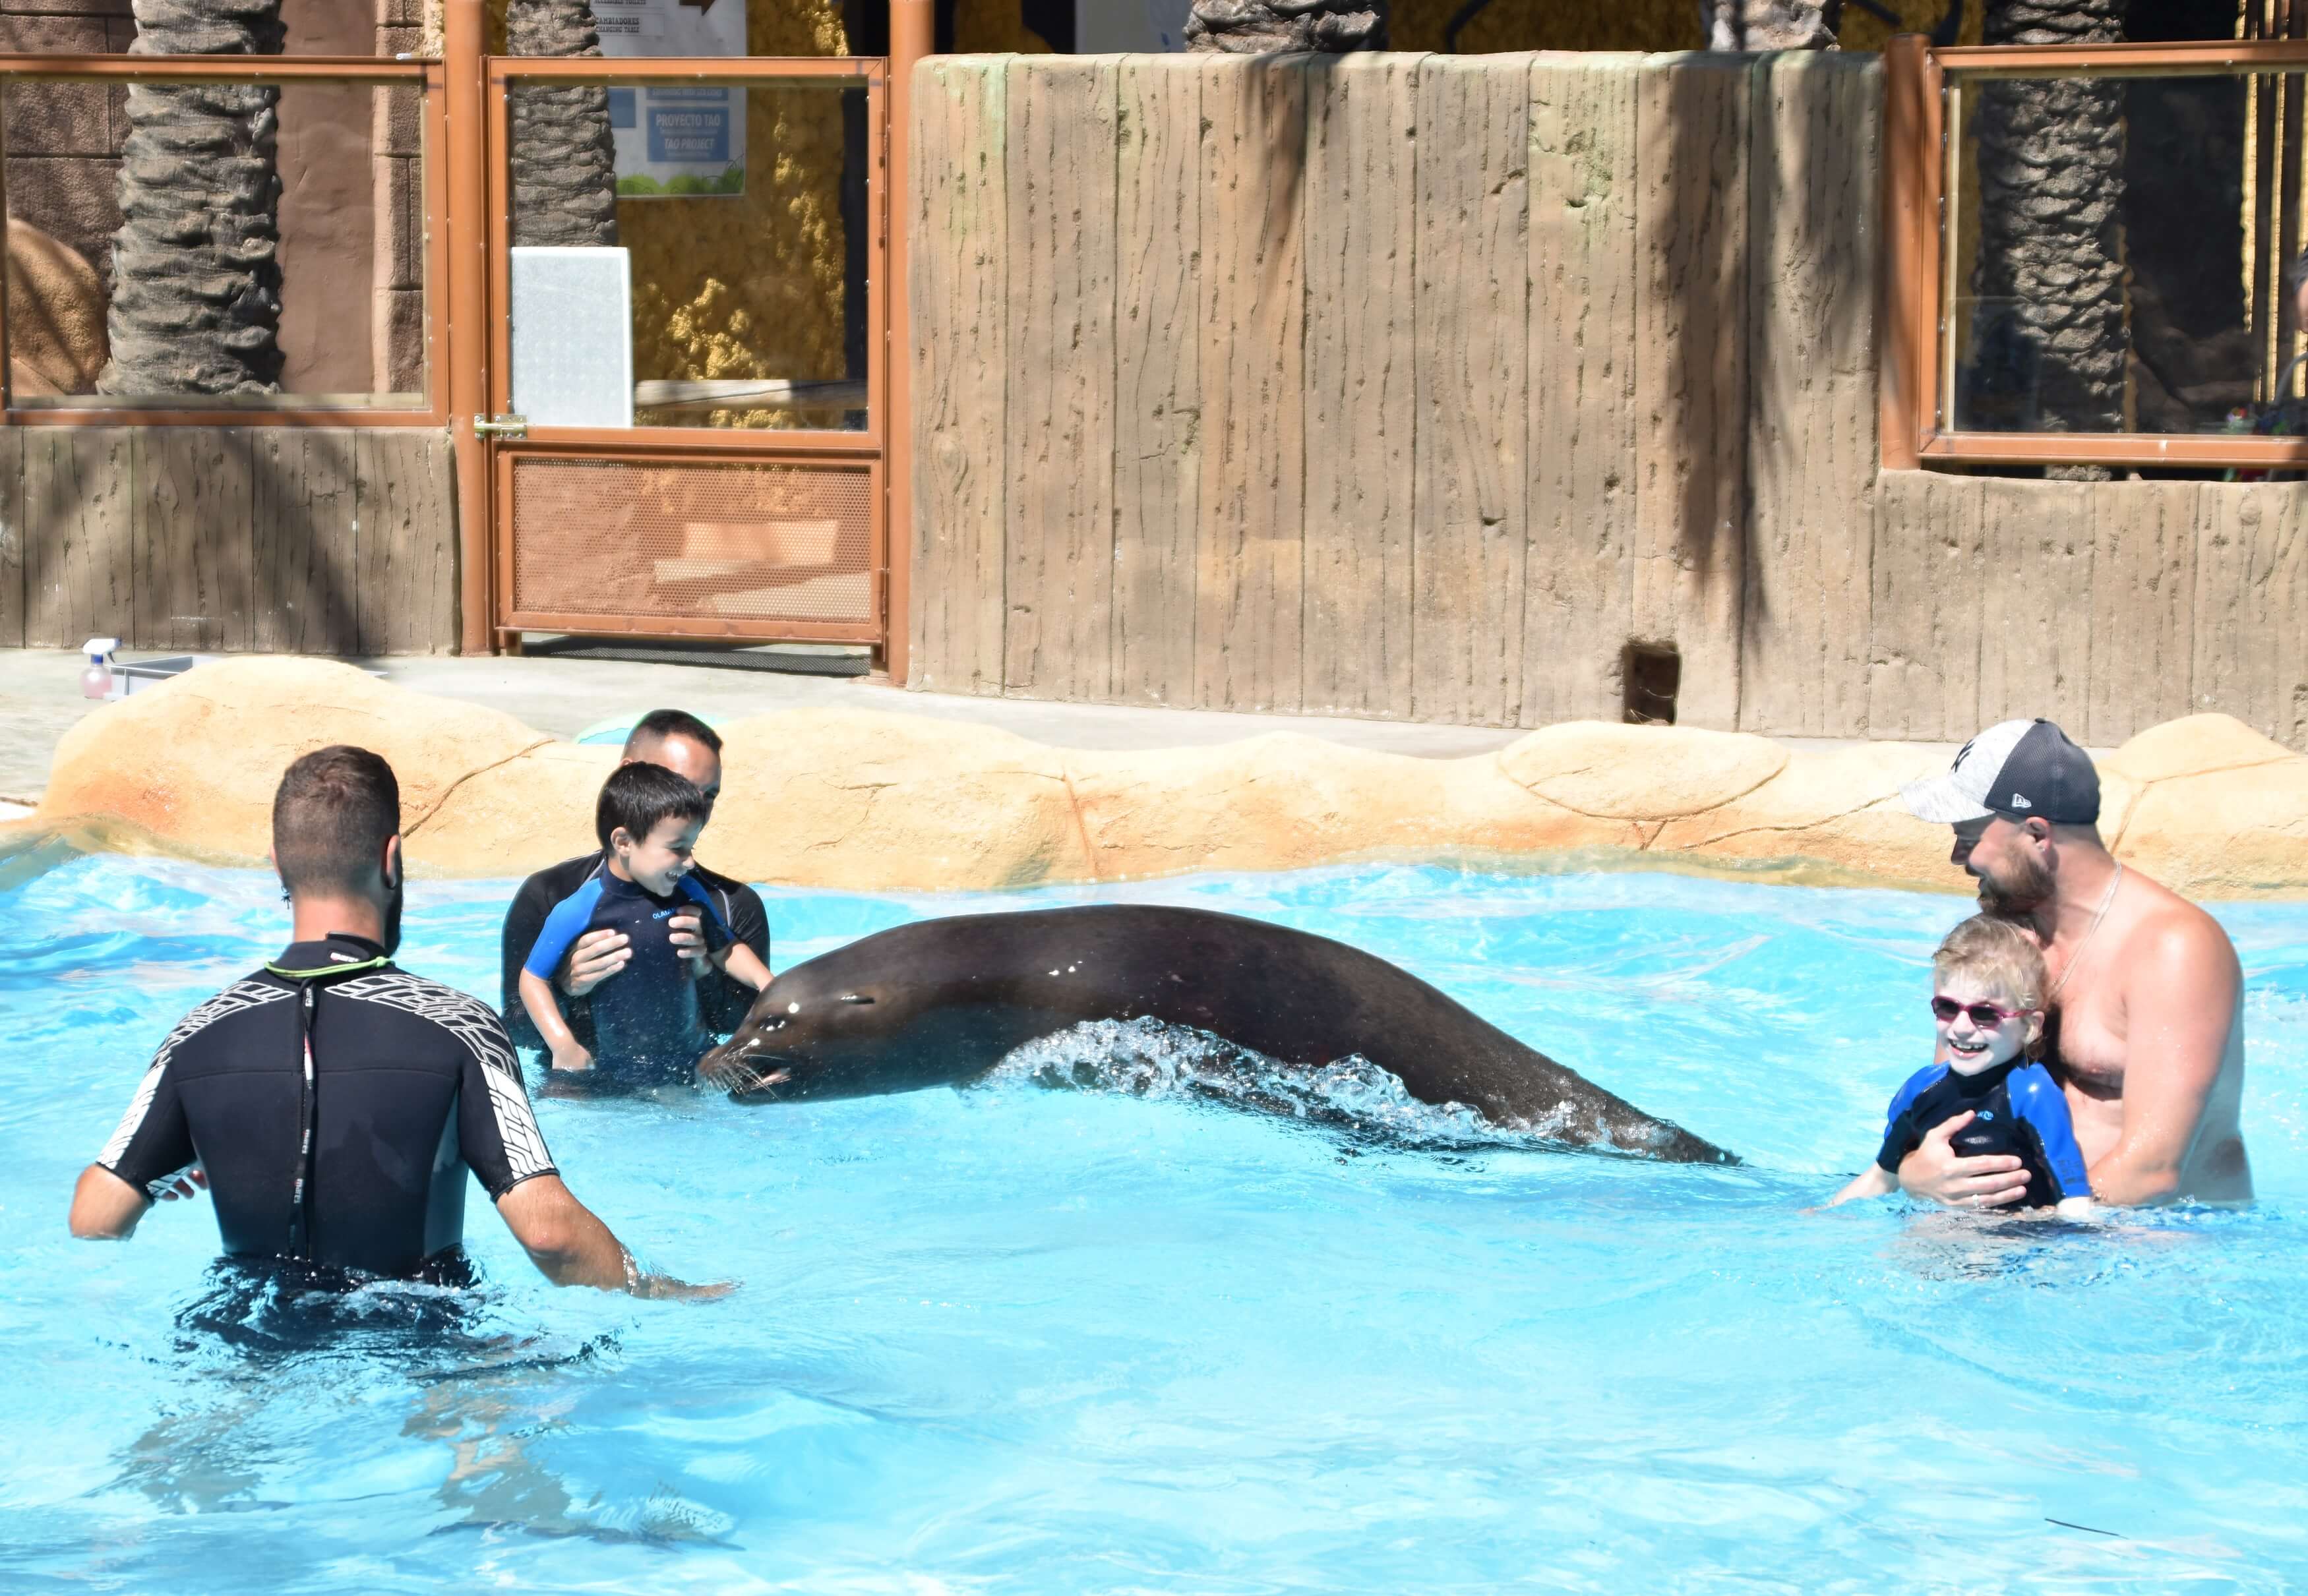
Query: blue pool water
[1011, 1338]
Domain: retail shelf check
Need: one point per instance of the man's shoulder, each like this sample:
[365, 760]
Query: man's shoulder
[554, 882]
[251, 992]
[719, 882]
[2173, 938]
[472, 1022]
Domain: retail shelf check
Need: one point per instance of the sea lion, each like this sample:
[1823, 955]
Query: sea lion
[941, 1001]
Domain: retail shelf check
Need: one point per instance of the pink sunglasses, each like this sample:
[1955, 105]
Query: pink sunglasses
[1986, 1016]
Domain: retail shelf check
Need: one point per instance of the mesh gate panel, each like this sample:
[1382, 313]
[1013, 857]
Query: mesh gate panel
[693, 542]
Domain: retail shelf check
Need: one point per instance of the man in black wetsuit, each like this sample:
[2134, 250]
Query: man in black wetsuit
[334, 1104]
[688, 747]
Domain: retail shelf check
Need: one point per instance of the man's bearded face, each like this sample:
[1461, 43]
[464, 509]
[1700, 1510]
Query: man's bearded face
[2012, 881]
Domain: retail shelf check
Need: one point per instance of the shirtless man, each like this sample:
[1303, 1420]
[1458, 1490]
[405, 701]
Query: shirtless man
[2147, 1026]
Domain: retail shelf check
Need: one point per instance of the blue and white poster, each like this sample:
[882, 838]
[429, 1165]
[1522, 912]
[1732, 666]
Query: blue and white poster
[675, 142]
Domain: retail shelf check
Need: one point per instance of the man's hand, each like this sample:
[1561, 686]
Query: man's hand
[597, 956]
[664, 1288]
[185, 1183]
[1933, 1170]
[686, 931]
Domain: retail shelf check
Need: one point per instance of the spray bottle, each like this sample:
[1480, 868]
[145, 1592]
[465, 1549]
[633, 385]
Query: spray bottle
[96, 681]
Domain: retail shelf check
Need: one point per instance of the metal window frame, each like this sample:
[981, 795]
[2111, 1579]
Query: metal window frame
[512, 619]
[1919, 157]
[875, 448]
[427, 76]
[821, 72]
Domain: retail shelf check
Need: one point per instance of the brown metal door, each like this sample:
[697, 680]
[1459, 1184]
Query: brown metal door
[747, 503]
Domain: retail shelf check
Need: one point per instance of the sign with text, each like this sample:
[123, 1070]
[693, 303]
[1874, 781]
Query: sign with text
[675, 142]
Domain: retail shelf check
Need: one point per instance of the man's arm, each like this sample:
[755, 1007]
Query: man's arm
[2179, 1002]
[153, 1142]
[498, 1135]
[570, 1246]
[105, 1207]
[562, 1236]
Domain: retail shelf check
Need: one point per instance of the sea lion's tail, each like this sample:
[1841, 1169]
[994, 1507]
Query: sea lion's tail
[1678, 1146]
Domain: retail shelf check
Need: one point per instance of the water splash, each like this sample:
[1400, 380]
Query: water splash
[1149, 1058]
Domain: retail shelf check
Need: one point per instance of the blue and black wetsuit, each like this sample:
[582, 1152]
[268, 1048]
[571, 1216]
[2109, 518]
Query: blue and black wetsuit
[337, 1104]
[646, 1023]
[2017, 1109]
[722, 1000]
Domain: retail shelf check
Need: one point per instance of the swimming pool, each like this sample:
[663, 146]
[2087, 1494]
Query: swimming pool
[1011, 1338]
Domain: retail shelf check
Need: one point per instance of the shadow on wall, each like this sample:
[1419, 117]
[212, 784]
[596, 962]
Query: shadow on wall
[304, 540]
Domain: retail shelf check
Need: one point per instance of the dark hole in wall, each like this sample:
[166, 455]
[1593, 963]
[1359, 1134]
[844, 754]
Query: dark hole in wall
[1649, 674]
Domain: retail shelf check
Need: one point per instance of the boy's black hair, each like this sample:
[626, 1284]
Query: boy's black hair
[637, 797]
[658, 725]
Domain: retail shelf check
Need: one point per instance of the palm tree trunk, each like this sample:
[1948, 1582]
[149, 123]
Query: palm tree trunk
[565, 177]
[1266, 27]
[1770, 24]
[195, 269]
[2050, 333]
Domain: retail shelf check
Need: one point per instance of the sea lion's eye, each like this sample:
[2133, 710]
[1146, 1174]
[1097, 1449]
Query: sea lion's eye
[856, 998]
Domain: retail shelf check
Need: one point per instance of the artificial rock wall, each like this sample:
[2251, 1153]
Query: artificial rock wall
[1421, 386]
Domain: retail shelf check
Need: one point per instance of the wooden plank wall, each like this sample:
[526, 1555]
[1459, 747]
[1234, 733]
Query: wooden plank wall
[226, 539]
[1244, 379]
[1417, 386]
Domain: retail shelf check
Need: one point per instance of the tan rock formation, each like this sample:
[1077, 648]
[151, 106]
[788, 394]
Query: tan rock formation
[55, 315]
[1586, 765]
[873, 801]
[191, 765]
[890, 803]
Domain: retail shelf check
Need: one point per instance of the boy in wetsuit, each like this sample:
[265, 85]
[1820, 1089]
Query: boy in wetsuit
[1988, 1000]
[645, 1019]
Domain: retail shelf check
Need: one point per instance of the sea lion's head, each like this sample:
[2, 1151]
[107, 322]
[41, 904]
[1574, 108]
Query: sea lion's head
[810, 1034]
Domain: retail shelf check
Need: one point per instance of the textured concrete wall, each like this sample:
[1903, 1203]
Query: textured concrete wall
[318, 540]
[1421, 386]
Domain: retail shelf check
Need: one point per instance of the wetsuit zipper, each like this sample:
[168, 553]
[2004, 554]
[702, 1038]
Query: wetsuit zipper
[300, 1229]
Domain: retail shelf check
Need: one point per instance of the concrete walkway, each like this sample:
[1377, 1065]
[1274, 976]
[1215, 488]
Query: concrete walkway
[39, 701]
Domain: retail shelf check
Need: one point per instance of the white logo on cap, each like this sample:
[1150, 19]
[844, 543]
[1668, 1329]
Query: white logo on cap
[2020, 800]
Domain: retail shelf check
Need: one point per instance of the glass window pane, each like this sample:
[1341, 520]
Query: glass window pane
[2117, 249]
[731, 285]
[218, 245]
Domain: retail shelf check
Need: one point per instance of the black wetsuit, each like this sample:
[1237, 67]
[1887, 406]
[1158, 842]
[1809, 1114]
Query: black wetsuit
[722, 1000]
[2017, 1109]
[336, 1103]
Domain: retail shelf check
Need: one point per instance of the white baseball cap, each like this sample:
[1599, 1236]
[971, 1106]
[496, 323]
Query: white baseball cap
[2016, 768]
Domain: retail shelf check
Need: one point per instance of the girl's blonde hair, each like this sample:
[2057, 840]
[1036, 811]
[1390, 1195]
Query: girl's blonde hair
[1994, 950]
